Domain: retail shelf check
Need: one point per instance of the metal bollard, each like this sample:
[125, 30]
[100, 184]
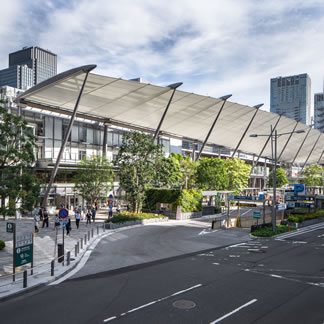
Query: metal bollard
[85, 239]
[88, 235]
[81, 243]
[52, 268]
[75, 250]
[91, 232]
[68, 258]
[25, 279]
[103, 227]
[78, 247]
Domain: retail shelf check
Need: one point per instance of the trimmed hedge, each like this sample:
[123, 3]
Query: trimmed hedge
[267, 231]
[129, 216]
[189, 200]
[2, 245]
[299, 218]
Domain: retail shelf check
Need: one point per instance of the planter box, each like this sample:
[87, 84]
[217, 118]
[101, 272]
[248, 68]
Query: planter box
[308, 222]
[137, 222]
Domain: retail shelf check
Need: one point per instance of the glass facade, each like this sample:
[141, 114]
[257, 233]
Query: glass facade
[291, 95]
[19, 76]
[319, 111]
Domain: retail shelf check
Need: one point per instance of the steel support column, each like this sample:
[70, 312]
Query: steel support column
[301, 145]
[247, 128]
[174, 88]
[283, 149]
[54, 171]
[301, 171]
[104, 145]
[224, 98]
[266, 143]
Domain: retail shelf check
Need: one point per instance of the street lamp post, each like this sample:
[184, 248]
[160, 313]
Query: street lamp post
[274, 137]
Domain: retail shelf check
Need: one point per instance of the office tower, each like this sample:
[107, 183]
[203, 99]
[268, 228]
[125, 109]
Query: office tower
[28, 67]
[291, 95]
[18, 76]
[319, 111]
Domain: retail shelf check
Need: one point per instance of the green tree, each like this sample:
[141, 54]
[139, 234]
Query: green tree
[18, 185]
[168, 173]
[313, 175]
[93, 178]
[212, 174]
[137, 161]
[281, 178]
[188, 169]
[238, 173]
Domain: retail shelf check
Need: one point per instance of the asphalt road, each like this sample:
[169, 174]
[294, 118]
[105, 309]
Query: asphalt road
[260, 281]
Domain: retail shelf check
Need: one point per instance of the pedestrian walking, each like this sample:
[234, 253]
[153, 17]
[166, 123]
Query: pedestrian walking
[57, 222]
[45, 218]
[88, 217]
[110, 209]
[118, 208]
[68, 227]
[93, 214]
[77, 219]
[84, 213]
[36, 222]
[40, 213]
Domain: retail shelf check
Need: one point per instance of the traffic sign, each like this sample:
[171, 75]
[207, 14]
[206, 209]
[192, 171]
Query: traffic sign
[256, 214]
[10, 227]
[63, 213]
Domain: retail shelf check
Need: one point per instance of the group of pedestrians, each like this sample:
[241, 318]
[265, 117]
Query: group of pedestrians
[41, 216]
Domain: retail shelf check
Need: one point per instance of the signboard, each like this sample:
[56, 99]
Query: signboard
[261, 197]
[246, 205]
[256, 214]
[63, 222]
[299, 190]
[23, 249]
[290, 204]
[281, 207]
[63, 213]
[10, 227]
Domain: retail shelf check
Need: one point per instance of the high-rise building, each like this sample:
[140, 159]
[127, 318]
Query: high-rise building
[28, 67]
[319, 111]
[291, 95]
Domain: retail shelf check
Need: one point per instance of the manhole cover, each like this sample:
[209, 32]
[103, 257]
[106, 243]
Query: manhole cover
[184, 304]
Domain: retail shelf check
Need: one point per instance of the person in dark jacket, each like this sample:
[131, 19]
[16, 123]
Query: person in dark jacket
[45, 218]
[68, 227]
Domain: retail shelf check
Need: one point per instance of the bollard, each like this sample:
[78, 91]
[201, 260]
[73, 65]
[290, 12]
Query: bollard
[25, 279]
[52, 268]
[91, 232]
[88, 235]
[81, 243]
[75, 250]
[78, 247]
[68, 258]
[85, 239]
[103, 227]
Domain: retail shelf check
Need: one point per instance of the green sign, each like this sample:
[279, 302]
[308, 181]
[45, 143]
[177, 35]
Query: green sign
[256, 214]
[24, 255]
[10, 227]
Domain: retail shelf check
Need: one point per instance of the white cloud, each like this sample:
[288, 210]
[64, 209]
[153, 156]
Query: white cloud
[215, 47]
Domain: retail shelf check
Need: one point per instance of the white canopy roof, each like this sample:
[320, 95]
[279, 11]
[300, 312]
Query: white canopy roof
[130, 103]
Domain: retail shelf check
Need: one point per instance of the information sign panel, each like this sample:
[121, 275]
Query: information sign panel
[10, 227]
[256, 214]
[23, 249]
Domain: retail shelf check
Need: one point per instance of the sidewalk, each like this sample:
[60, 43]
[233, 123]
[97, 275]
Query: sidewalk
[44, 240]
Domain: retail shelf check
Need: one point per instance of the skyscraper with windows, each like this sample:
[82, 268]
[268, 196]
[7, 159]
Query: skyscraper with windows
[319, 111]
[291, 95]
[28, 67]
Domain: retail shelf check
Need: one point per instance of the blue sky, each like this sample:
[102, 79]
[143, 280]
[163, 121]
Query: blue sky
[215, 47]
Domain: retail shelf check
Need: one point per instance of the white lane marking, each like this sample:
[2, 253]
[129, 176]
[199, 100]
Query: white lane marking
[276, 276]
[216, 263]
[246, 212]
[234, 311]
[303, 230]
[153, 302]
[109, 319]
[207, 231]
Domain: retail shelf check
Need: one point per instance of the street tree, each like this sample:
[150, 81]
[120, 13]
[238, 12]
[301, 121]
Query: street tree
[212, 174]
[281, 178]
[137, 162]
[93, 178]
[169, 173]
[239, 173]
[313, 175]
[19, 187]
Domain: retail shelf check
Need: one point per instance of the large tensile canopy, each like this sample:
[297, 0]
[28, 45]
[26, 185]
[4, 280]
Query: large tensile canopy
[139, 105]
